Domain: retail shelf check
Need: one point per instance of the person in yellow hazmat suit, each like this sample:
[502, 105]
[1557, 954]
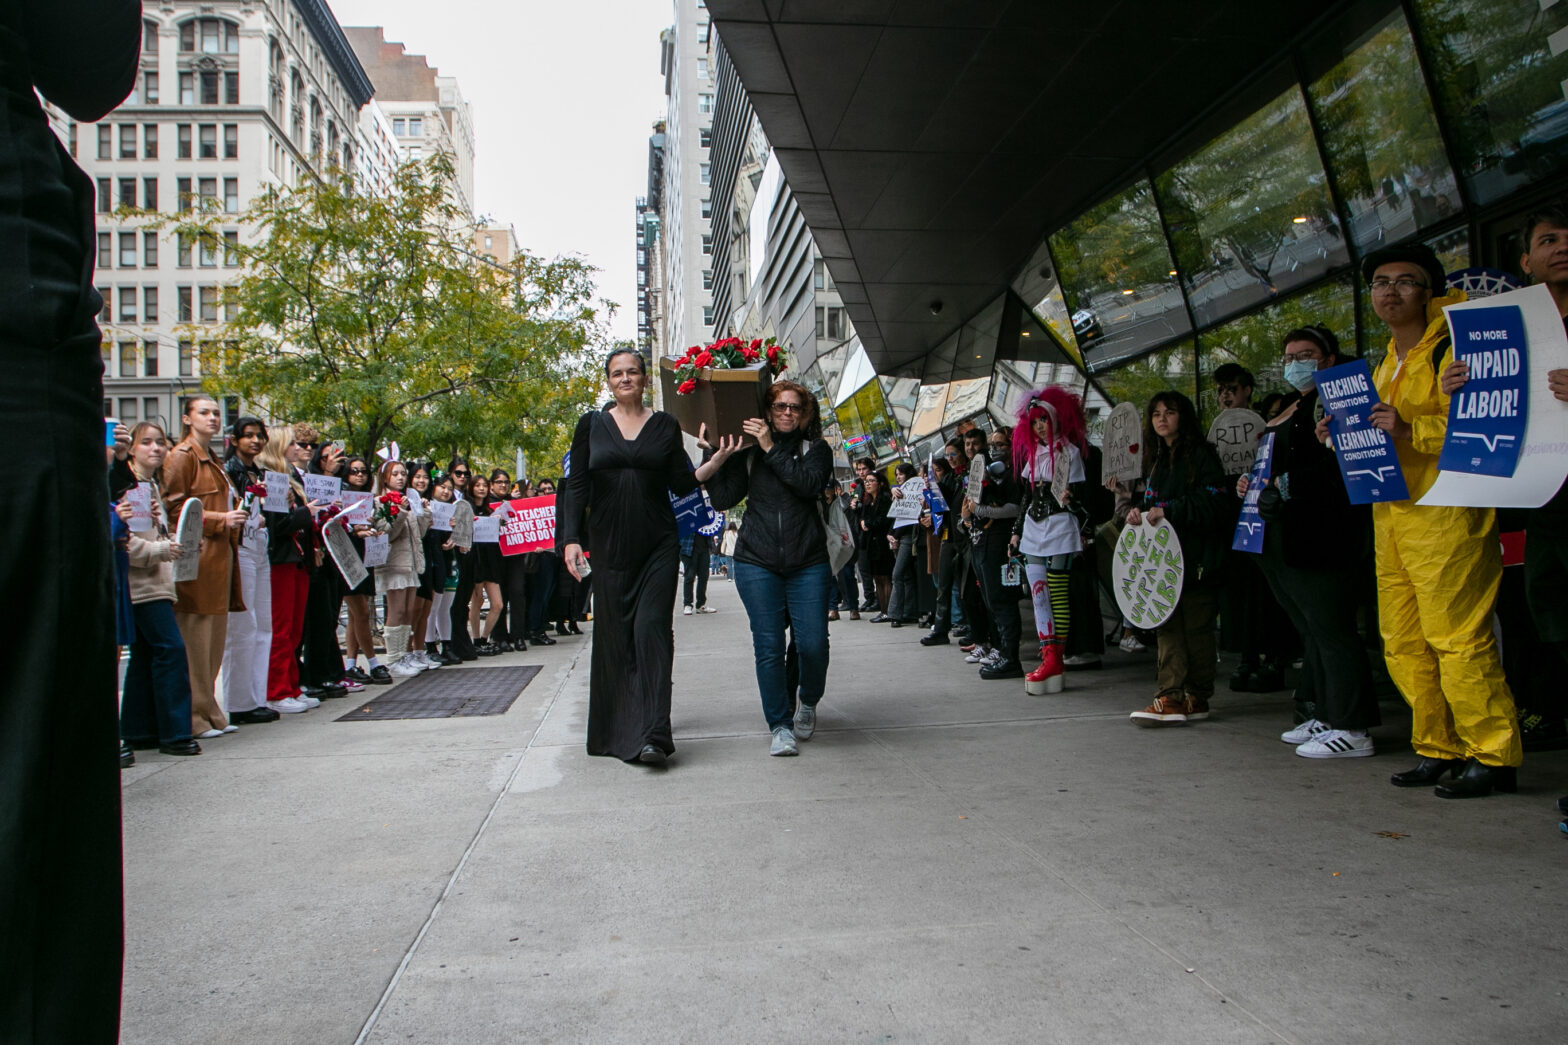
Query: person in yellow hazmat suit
[1438, 568]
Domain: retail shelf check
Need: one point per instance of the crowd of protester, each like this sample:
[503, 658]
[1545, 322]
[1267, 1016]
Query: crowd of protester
[269, 626]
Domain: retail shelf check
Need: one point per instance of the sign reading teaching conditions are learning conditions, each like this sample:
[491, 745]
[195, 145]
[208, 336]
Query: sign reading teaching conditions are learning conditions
[1365, 454]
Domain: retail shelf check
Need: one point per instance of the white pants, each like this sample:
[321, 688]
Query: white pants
[439, 627]
[242, 683]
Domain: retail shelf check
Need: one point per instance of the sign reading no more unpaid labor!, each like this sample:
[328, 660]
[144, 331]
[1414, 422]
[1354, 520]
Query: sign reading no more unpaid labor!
[1147, 572]
[1486, 417]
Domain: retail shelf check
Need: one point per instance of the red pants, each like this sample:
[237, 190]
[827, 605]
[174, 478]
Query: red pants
[290, 586]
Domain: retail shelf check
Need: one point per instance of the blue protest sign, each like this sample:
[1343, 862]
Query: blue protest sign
[566, 464]
[1365, 454]
[714, 528]
[1486, 417]
[1249, 528]
[691, 512]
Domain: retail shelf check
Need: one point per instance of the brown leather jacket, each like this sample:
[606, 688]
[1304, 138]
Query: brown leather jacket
[190, 471]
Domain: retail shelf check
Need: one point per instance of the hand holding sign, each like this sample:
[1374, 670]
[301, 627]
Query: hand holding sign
[1147, 571]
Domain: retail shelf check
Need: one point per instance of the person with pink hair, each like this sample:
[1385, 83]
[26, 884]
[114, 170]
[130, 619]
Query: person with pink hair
[1049, 444]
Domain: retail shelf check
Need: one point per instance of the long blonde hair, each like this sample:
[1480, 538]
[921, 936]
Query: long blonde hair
[271, 457]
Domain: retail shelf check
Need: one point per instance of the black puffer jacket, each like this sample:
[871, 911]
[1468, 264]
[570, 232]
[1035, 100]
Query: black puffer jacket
[1192, 492]
[782, 529]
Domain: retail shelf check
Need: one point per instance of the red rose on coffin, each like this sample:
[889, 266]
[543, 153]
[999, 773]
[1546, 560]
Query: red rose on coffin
[751, 354]
[773, 353]
[702, 360]
[686, 388]
[756, 344]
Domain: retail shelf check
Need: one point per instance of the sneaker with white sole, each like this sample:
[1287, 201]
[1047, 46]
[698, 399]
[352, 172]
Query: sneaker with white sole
[706, 609]
[1306, 731]
[1166, 709]
[992, 658]
[1130, 644]
[1337, 743]
[425, 663]
[805, 722]
[405, 668]
[308, 700]
[979, 654]
[288, 706]
[686, 612]
[783, 742]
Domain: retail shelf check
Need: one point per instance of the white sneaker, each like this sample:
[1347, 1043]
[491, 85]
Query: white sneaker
[977, 655]
[783, 742]
[308, 701]
[805, 722]
[1304, 732]
[706, 609]
[405, 668]
[1337, 743]
[686, 612]
[208, 734]
[992, 658]
[1130, 644]
[288, 705]
[427, 663]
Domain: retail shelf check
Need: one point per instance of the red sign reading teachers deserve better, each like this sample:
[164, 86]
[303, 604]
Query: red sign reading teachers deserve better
[529, 526]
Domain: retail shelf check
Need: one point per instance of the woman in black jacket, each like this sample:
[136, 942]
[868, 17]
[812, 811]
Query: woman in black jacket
[874, 525]
[781, 561]
[1315, 549]
[1186, 486]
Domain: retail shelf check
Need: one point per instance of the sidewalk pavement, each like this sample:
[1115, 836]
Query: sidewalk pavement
[948, 860]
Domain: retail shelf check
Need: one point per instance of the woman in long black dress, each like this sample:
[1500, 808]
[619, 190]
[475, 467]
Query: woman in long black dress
[626, 461]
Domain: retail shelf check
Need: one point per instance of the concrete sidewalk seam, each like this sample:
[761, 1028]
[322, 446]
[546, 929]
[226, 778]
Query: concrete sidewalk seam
[473, 843]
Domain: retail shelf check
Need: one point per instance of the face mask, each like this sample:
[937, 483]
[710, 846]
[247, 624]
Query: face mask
[1301, 373]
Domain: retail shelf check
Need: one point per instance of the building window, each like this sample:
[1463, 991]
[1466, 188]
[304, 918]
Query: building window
[705, 173]
[187, 88]
[215, 35]
[207, 141]
[183, 315]
[182, 136]
[209, 303]
[127, 194]
[707, 315]
[150, 87]
[150, 193]
[128, 406]
[705, 137]
[399, 126]
[231, 195]
[207, 258]
[127, 141]
[231, 141]
[703, 29]
[231, 88]
[150, 403]
[702, 68]
[127, 250]
[231, 250]
[416, 127]
[707, 279]
[182, 251]
[183, 200]
[149, 305]
[149, 250]
[149, 36]
[105, 250]
[150, 141]
[105, 315]
[105, 142]
[707, 209]
[105, 202]
[704, 103]
[207, 189]
[127, 369]
[707, 244]
[818, 274]
[127, 310]
[187, 355]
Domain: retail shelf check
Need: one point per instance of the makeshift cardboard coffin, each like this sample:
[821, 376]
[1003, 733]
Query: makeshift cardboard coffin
[723, 399]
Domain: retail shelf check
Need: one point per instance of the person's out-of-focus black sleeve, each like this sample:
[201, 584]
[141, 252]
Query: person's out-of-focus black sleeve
[83, 53]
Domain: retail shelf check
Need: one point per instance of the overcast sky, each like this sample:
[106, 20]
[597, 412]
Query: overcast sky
[564, 95]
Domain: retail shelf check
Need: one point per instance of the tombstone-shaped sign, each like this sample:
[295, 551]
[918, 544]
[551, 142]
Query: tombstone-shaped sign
[1123, 454]
[188, 533]
[1235, 435]
[1147, 571]
[976, 478]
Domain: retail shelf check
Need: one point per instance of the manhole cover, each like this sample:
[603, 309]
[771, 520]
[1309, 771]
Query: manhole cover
[448, 693]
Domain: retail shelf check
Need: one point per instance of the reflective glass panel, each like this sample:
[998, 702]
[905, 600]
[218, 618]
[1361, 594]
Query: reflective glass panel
[1382, 139]
[1136, 381]
[1254, 340]
[1118, 279]
[1499, 67]
[1249, 214]
[875, 421]
[1040, 292]
[929, 408]
[966, 399]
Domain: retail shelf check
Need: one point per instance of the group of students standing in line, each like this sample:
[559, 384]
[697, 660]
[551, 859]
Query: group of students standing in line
[255, 634]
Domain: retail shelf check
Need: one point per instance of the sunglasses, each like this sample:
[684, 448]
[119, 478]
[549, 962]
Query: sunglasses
[305, 446]
[357, 471]
[460, 473]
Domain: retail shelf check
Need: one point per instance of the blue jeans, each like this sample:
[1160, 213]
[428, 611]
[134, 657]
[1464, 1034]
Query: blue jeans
[773, 602]
[157, 701]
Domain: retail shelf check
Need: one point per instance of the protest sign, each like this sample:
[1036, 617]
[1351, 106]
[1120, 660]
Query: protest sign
[1147, 572]
[1540, 462]
[441, 514]
[357, 506]
[462, 528]
[976, 482]
[714, 528]
[530, 526]
[1123, 458]
[323, 489]
[1249, 527]
[1366, 455]
[342, 551]
[692, 512]
[188, 533]
[377, 548]
[416, 503]
[908, 506]
[277, 499]
[1234, 434]
[139, 497]
[487, 529]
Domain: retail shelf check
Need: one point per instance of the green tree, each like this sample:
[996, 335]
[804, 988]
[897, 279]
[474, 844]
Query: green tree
[371, 317]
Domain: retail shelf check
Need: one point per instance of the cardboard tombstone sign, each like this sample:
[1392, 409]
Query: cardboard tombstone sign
[1123, 454]
[1234, 434]
[910, 503]
[188, 533]
[1147, 570]
[976, 479]
[347, 560]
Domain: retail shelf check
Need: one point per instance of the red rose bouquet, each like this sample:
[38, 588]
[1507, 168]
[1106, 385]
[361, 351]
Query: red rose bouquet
[389, 504]
[727, 354]
[253, 491]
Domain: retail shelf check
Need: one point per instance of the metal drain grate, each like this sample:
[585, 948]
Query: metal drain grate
[448, 693]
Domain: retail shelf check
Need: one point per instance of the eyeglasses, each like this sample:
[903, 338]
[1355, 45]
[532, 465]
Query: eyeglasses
[788, 408]
[1403, 285]
[304, 446]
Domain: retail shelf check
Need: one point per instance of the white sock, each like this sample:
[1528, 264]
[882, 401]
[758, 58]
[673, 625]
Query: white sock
[349, 663]
[375, 662]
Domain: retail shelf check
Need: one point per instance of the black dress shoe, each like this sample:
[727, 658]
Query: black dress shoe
[936, 638]
[541, 639]
[1478, 781]
[1427, 771]
[254, 717]
[560, 628]
[331, 691]
[127, 756]
[358, 674]
[1007, 669]
[895, 624]
[181, 747]
[880, 618]
[573, 628]
[380, 676]
[651, 756]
